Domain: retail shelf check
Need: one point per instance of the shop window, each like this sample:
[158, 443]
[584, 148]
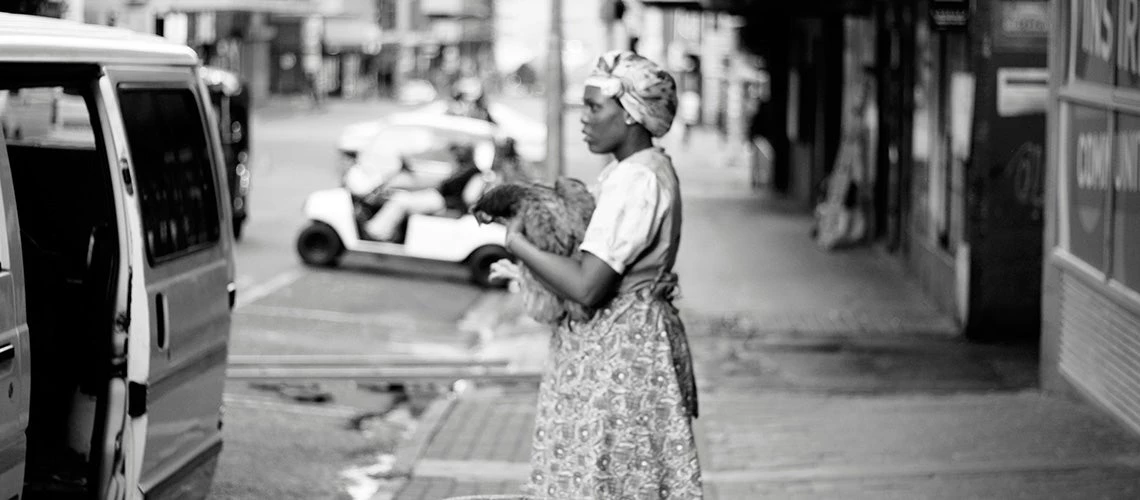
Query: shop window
[174, 172]
[1089, 160]
[948, 166]
[1126, 201]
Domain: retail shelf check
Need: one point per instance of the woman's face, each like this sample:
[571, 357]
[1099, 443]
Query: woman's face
[603, 121]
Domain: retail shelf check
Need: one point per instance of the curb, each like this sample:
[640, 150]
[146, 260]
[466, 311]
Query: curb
[410, 451]
[480, 321]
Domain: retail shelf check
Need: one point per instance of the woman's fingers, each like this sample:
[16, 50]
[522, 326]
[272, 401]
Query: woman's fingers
[505, 269]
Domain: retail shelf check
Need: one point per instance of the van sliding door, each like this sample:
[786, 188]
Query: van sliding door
[14, 366]
[186, 266]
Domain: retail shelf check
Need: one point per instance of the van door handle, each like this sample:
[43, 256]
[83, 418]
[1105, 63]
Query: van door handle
[7, 353]
[162, 319]
[231, 289]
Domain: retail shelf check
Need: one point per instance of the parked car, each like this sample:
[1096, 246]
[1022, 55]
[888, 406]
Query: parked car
[417, 142]
[529, 134]
[116, 265]
[230, 97]
[416, 92]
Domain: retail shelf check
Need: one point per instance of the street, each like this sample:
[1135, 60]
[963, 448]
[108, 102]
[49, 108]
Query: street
[278, 445]
[860, 250]
[784, 338]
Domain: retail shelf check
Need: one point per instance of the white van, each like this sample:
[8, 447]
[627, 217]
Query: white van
[116, 266]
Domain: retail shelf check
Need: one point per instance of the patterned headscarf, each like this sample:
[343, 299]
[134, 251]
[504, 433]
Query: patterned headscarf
[646, 91]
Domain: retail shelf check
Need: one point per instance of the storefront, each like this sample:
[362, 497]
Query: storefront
[1091, 313]
[974, 214]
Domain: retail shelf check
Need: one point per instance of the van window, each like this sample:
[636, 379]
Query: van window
[175, 176]
[45, 116]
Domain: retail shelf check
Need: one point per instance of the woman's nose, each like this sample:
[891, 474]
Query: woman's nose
[584, 118]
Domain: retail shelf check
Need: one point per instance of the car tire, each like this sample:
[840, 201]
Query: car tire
[319, 245]
[480, 265]
[239, 224]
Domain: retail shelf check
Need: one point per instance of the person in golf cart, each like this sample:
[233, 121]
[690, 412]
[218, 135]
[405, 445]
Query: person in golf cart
[405, 195]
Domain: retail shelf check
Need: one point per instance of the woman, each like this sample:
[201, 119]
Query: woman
[616, 405]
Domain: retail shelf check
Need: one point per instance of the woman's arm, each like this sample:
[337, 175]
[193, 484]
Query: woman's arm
[587, 281]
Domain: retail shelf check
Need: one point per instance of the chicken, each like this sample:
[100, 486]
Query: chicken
[554, 220]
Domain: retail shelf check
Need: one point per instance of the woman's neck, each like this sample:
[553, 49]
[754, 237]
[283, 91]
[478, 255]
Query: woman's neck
[635, 143]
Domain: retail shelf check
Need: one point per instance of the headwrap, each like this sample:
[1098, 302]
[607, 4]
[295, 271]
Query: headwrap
[646, 91]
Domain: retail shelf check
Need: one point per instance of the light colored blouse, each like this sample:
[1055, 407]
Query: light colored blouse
[636, 226]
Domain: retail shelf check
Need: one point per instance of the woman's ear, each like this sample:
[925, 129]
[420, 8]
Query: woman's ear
[629, 119]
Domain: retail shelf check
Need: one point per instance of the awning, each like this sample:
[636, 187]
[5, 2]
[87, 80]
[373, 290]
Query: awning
[745, 7]
[675, 4]
[351, 33]
[288, 7]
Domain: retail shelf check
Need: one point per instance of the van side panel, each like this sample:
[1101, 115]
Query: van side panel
[15, 365]
[186, 241]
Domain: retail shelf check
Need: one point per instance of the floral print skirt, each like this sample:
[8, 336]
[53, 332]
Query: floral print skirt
[615, 408]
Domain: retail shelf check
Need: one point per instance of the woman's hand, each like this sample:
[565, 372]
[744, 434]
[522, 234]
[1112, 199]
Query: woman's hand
[514, 232]
[505, 269]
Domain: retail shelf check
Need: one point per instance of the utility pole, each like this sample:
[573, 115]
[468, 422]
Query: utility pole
[554, 92]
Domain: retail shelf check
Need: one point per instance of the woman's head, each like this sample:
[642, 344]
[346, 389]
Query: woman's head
[626, 96]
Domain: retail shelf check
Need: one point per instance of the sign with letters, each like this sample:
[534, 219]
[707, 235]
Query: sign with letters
[1103, 164]
[1126, 206]
[949, 14]
[1089, 179]
[1105, 42]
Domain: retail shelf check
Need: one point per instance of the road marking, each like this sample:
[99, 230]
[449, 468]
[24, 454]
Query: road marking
[843, 472]
[392, 319]
[261, 403]
[257, 292]
[472, 470]
[488, 470]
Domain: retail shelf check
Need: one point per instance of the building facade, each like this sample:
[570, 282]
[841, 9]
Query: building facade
[923, 123]
[975, 215]
[1091, 320]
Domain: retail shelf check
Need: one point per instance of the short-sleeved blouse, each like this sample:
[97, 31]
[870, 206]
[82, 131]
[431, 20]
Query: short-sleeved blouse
[636, 223]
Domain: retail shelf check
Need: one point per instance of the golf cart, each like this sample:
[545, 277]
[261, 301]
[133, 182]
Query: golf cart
[337, 220]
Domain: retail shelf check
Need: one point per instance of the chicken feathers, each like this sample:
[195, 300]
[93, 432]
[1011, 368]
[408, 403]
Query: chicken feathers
[554, 220]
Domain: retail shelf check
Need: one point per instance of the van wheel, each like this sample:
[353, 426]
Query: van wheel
[319, 245]
[480, 263]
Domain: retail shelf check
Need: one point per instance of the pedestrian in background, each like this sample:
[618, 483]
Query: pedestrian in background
[617, 400]
[689, 105]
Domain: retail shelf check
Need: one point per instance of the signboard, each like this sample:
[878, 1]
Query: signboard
[1022, 91]
[1126, 216]
[949, 14]
[1093, 41]
[1089, 167]
[1105, 43]
[1022, 25]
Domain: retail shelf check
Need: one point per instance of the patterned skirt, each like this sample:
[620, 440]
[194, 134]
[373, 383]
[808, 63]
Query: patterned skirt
[615, 408]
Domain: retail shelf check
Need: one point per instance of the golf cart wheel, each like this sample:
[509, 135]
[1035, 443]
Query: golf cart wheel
[480, 263]
[319, 245]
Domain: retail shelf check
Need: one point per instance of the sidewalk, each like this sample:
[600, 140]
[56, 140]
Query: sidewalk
[822, 375]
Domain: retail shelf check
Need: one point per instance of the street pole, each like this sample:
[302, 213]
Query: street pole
[554, 92]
